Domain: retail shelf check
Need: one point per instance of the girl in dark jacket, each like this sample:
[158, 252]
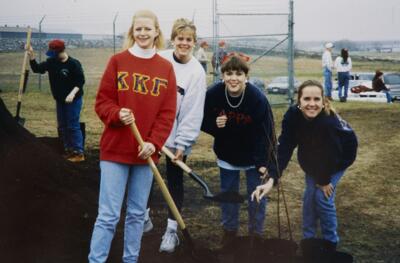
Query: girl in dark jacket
[378, 85]
[327, 146]
[239, 118]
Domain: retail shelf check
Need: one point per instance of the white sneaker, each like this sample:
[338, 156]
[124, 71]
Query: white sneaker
[148, 225]
[169, 241]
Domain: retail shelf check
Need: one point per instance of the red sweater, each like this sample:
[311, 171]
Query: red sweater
[148, 88]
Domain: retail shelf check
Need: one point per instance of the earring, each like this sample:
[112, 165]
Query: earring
[298, 106]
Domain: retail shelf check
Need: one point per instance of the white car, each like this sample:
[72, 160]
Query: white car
[280, 85]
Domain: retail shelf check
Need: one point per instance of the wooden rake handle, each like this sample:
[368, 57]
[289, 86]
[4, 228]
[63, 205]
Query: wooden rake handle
[157, 176]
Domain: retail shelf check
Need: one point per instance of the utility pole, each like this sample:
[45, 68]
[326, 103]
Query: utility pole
[40, 50]
[291, 54]
[115, 18]
[215, 39]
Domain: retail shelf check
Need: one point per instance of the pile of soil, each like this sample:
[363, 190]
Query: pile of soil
[45, 202]
[48, 206]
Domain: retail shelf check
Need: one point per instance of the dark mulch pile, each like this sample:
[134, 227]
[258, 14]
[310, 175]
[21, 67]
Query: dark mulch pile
[48, 207]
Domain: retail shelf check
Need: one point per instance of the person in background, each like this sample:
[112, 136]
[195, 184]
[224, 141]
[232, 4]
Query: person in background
[327, 66]
[191, 92]
[139, 81]
[378, 85]
[327, 146]
[218, 57]
[202, 56]
[239, 117]
[343, 67]
[66, 83]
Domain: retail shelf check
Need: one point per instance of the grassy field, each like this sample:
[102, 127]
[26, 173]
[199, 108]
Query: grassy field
[368, 196]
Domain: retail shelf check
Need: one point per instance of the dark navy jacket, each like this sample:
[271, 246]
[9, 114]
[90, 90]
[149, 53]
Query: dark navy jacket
[63, 76]
[326, 144]
[247, 137]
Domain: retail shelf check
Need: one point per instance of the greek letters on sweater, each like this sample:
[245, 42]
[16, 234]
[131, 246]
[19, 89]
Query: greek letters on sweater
[148, 88]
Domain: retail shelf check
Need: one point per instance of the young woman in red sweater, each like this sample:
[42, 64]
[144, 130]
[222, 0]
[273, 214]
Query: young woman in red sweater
[138, 81]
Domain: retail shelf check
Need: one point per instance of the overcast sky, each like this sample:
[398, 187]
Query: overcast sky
[314, 19]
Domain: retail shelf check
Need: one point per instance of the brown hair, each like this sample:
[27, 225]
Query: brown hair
[235, 63]
[378, 73]
[181, 25]
[328, 109]
[130, 40]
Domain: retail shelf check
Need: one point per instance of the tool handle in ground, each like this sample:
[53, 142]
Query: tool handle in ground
[24, 65]
[159, 180]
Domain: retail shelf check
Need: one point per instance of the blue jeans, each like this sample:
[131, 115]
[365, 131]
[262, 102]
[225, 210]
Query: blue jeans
[317, 206]
[68, 124]
[115, 179]
[328, 82]
[388, 96]
[230, 211]
[343, 83]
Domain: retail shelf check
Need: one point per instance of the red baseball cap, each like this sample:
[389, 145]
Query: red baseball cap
[55, 47]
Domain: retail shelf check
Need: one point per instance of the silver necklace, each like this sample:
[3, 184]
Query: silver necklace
[229, 103]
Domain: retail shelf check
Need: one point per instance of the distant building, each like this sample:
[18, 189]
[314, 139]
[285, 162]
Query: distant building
[7, 32]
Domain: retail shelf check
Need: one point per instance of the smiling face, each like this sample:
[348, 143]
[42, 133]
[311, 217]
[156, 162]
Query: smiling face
[184, 43]
[144, 32]
[235, 81]
[311, 101]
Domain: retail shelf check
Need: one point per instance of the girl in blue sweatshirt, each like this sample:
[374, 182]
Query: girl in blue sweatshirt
[327, 146]
[239, 118]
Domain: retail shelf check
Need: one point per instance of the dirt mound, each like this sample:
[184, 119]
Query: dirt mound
[48, 206]
[44, 201]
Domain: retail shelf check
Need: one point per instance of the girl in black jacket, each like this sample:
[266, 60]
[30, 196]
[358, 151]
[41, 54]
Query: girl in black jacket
[239, 118]
[327, 146]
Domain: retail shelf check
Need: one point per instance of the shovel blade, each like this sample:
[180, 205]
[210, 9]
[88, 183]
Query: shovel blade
[21, 121]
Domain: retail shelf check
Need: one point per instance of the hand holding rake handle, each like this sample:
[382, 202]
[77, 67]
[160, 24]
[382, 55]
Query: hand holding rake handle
[231, 197]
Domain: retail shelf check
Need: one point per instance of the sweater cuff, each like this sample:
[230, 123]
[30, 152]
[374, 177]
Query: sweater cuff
[324, 180]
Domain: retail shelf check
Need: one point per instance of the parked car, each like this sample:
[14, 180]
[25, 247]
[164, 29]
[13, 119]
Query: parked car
[280, 85]
[258, 82]
[358, 78]
[392, 81]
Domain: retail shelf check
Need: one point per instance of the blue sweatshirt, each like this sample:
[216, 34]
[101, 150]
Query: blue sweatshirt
[326, 144]
[247, 137]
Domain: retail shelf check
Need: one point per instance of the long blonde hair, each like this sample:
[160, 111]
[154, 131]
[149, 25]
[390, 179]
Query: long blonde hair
[130, 40]
[328, 109]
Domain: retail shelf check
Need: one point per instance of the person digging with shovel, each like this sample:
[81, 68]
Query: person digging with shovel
[66, 83]
[136, 80]
[239, 118]
[191, 92]
[327, 146]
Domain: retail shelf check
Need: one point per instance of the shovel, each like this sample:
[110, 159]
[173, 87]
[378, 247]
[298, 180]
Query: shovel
[225, 197]
[199, 255]
[23, 79]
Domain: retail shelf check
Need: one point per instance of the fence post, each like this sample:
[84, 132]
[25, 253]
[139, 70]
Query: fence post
[291, 55]
[115, 18]
[40, 51]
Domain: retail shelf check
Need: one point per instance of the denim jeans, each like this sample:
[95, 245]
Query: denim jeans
[343, 83]
[317, 206]
[115, 179]
[328, 82]
[388, 96]
[68, 124]
[230, 180]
